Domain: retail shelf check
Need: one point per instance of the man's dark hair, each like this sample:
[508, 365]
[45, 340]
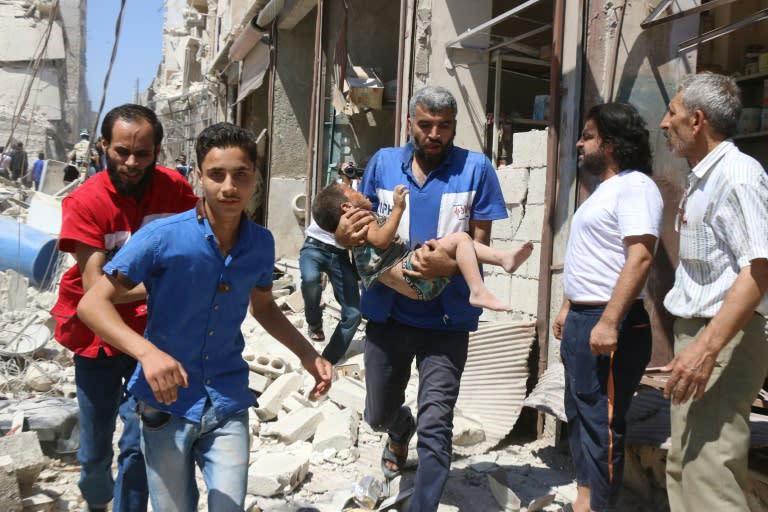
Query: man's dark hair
[326, 207]
[620, 125]
[41, 156]
[131, 112]
[225, 135]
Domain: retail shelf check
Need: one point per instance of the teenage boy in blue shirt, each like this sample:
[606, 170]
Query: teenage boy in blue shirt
[200, 269]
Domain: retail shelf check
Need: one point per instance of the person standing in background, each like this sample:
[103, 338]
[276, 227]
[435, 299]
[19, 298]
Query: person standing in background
[604, 327]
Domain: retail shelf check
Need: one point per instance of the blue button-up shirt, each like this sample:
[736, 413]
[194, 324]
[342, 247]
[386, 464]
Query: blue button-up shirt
[463, 187]
[196, 304]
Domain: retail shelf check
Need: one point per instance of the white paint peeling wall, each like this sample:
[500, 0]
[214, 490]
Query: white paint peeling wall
[522, 184]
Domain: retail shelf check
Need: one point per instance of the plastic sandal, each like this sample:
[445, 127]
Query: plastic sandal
[388, 456]
[316, 332]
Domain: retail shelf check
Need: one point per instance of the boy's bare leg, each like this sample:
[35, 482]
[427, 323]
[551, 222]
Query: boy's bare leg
[462, 246]
[508, 260]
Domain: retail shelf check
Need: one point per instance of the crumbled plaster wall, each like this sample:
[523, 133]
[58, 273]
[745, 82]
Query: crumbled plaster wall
[422, 48]
[522, 183]
[57, 105]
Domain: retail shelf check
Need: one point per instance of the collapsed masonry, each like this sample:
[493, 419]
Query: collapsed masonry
[315, 444]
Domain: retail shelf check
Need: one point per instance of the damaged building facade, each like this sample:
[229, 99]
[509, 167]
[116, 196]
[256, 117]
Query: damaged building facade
[44, 101]
[323, 82]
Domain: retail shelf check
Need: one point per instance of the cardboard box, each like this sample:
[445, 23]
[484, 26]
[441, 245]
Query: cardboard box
[366, 90]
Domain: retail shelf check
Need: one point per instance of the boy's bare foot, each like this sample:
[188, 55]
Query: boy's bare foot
[485, 299]
[513, 259]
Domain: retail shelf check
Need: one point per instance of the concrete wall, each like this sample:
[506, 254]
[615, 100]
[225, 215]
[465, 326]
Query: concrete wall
[522, 183]
[465, 73]
[290, 131]
[57, 106]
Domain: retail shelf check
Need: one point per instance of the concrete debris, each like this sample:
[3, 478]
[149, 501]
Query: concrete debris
[10, 496]
[280, 471]
[305, 454]
[24, 449]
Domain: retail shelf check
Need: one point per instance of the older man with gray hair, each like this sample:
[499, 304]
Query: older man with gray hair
[719, 297]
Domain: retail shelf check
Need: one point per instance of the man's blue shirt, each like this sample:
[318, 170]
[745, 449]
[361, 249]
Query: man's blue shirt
[197, 300]
[464, 187]
[37, 170]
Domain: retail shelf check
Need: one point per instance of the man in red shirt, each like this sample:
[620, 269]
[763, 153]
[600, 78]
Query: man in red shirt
[97, 219]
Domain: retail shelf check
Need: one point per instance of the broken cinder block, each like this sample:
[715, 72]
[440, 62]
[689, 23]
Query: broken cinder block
[10, 497]
[280, 472]
[24, 449]
[270, 402]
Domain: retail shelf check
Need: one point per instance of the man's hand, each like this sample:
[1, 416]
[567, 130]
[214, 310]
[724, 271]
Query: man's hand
[431, 260]
[353, 226]
[322, 371]
[691, 369]
[559, 323]
[603, 339]
[164, 375]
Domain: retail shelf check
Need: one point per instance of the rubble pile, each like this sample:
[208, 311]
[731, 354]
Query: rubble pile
[305, 454]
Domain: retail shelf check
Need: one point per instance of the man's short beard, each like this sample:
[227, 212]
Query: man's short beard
[594, 164]
[432, 160]
[129, 189]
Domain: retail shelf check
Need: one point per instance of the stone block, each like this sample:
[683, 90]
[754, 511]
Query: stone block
[537, 182]
[10, 497]
[524, 295]
[503, 229]
[467, 432]
[295, 302]
[348, 393]
[514, 183]
[337, 431]
[41, 376]
[279, 472]
[298, 425]
[532, 223]
[24, 449]
[258, 382]
[38, 503]
[270, 402]
[296, 401]
[272, 367]
[529, 149]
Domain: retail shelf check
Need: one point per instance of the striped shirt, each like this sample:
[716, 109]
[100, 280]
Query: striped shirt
[723, 225]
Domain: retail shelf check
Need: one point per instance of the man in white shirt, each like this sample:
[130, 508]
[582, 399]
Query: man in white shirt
[322, 254]
[719, 297]
[605, 330]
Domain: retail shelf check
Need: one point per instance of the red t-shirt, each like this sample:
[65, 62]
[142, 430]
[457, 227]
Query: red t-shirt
[97, 216]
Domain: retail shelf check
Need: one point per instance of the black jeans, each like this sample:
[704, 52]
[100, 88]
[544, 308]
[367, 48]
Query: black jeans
[440, 357]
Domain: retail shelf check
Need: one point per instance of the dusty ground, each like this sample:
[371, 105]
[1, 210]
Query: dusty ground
[532, 468]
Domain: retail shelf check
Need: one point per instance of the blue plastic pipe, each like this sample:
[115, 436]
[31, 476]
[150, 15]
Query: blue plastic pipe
[28, 251]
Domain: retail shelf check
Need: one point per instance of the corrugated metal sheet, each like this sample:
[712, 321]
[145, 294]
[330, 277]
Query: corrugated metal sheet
[547, 396]
[493, 383]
